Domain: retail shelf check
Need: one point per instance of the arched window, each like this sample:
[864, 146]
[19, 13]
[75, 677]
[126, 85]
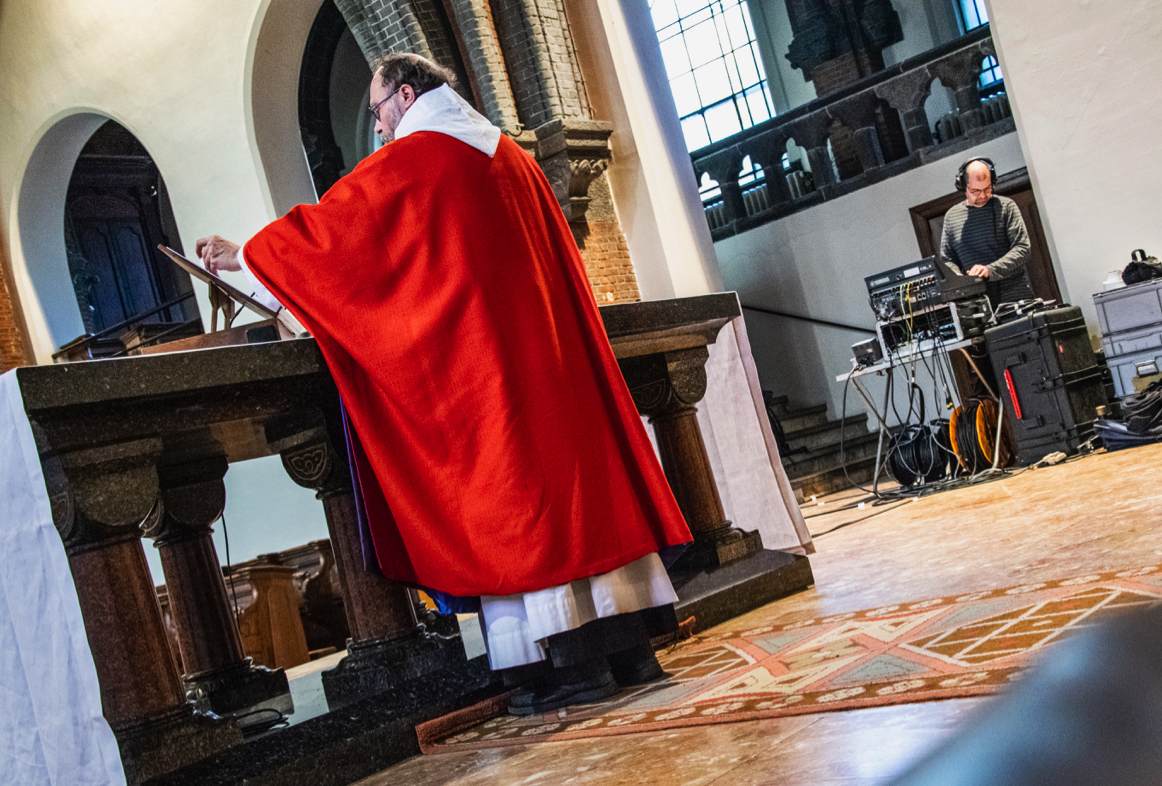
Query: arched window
[990, 74]
[714, 67]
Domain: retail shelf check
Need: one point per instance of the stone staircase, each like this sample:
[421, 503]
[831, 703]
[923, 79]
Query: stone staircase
[812, 459]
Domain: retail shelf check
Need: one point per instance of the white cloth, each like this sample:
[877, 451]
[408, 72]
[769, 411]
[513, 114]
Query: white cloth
[515, 626]
[51, 727]
[756, 492]
[443, 110]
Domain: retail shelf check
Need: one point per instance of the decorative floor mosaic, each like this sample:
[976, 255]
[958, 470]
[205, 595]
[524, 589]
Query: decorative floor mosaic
[950, 647]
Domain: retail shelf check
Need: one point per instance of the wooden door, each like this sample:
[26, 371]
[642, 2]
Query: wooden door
[928, 222]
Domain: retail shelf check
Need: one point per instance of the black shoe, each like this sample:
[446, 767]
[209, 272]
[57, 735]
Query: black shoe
[635, 666]
[591, 681]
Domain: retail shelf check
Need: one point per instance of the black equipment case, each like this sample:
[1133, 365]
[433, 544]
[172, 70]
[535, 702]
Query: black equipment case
[1049, 380]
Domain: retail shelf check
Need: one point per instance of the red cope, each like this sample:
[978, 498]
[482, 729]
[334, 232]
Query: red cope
[498, 448]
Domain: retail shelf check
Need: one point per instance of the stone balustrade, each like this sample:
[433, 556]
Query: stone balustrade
[863, 116]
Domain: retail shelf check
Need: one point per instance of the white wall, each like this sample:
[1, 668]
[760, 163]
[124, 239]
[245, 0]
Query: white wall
[1082, 83]
[813, 264]
[652, 181]
[177, 75]
[773, 34]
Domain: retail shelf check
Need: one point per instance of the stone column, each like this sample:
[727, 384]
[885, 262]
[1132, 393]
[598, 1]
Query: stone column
[665, 387]
[767, 150]
[218, 675]
[961, 73]
[859, 114]
[723, 167]
[906, 94]
[386, 646]
[99, 498]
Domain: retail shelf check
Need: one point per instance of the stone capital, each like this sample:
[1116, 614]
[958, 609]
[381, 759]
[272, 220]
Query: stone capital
[192, 496]
[666, 383]
[317, 465]
[102, 495]
[573, 153]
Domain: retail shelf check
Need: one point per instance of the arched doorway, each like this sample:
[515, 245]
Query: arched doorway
[117, 211]
[337, 128]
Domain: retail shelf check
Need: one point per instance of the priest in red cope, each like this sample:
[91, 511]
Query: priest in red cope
[500, 458]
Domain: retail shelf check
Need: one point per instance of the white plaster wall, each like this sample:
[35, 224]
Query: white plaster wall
[177, 76]
[652, 181]
[773, 34]
[813, 264]
[1082, 81]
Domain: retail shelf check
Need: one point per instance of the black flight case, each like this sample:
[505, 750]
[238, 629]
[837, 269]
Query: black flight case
[1049, 381]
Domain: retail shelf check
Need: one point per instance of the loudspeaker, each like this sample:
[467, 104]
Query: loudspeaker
[962, 173]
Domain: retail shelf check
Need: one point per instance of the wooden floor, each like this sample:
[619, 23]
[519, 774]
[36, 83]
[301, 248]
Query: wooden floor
[1094, 514]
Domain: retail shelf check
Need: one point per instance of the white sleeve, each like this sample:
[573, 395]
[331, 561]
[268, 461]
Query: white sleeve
[258, 291]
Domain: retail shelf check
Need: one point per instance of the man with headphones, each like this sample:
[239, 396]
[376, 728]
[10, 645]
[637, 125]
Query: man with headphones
[984, 235]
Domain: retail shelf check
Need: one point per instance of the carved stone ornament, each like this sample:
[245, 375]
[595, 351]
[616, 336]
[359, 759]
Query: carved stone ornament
[319, 467]
[308, 466]
[573, 153]
[819, 38]
[880, 23]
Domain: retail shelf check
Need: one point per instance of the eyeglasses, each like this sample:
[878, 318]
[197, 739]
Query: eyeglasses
[979, 191]
[375, 109]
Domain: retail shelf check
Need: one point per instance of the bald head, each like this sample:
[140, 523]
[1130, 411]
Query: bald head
[979, 184]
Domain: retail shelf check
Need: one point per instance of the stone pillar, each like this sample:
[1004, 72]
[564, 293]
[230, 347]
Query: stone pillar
[723, 167]
[767, 150]
[859, 114]
[386, 646]
[665, 387]
[906, 94]
[961, 73]
[218, 675]
[99, 498]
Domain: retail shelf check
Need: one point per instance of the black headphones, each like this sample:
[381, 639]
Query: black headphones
[962, 173]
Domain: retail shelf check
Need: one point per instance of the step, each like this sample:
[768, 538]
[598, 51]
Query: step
[800, 465]
[830, 481]
[798, 419]
[815, 437]
[779, 405]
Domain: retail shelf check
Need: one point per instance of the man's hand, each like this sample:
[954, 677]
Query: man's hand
[980, 271]
[218, 254]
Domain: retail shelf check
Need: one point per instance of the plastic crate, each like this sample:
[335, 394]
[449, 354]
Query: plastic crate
[1127, 342]
[1126, 369]
[1129, 308]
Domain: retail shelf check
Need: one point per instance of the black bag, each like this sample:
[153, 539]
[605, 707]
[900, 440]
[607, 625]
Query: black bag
[1141, 268]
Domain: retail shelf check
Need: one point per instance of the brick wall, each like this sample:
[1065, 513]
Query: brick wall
[485, 58]
[524, 63]
[607, 262]
[12, 340]
[542, 60]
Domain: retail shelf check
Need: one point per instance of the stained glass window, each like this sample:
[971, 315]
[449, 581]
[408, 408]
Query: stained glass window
[714, 67]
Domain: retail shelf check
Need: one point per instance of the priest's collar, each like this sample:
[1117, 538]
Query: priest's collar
[444, 111]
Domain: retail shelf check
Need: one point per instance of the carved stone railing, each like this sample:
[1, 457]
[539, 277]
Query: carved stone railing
[856, 110]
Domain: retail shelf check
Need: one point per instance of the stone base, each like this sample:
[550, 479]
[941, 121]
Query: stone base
[240, 689]
[374, 667]
[348, 745]
[734, 544]
[715, 595]
[177, 740]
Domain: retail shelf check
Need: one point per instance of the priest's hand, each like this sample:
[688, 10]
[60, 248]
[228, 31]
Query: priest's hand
[218, 254]
[980, 271]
